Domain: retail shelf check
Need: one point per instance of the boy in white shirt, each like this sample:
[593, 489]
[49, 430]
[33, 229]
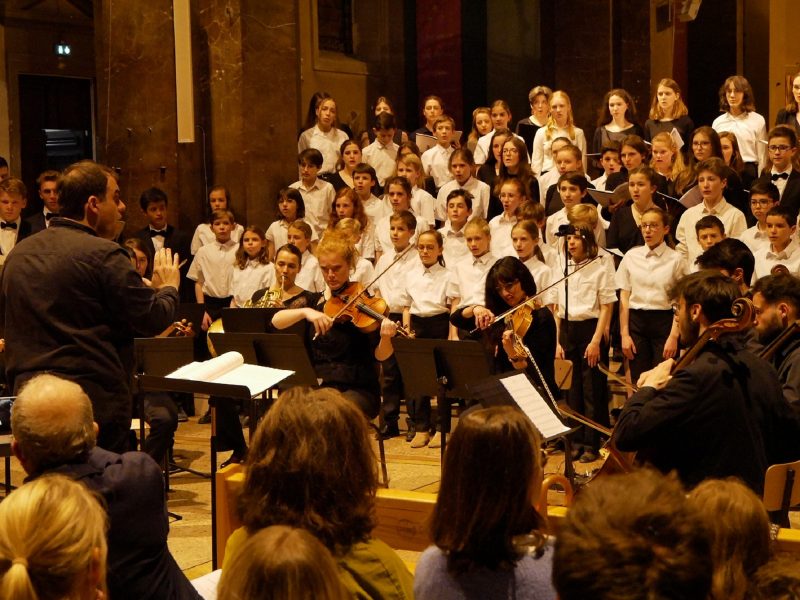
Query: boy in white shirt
[435, 160]
[461, 166]
[783, 249]
[459, 211]
[763, 196]
[390, 287]
[382, 153]
[711, 181]
[317, 194]
[364, 180]
[212, 268]
[609, 160]
[469, 274]
[572, 188]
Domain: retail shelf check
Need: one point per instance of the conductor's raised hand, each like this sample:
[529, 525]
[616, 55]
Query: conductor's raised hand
[166, 269]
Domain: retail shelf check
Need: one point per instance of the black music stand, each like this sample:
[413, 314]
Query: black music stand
[159, 356]
[417, 363]
[492, 392]
[459, 363]
[249, 320]
[219, 392]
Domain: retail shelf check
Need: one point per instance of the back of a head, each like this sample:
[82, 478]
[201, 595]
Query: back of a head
[311, 466]
[491, 477]
[779, 579]
[632, 537]
[77, 183]
[52, 422]
[738, 526]
[52, 541]
[282, 563]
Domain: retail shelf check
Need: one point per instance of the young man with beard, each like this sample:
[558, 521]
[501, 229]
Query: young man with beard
[723, 415]
[777, 299]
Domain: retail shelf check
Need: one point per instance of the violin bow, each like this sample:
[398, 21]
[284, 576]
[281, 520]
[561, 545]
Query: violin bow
[530, 300]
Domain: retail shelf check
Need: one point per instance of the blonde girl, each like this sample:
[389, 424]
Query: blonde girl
[325, 135]
[560, 123]
[363, 271]
[666, 158]
[422, 203]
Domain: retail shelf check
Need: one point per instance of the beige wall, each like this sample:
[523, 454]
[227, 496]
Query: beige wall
[784, 51]
[5, 141]
[660, 49]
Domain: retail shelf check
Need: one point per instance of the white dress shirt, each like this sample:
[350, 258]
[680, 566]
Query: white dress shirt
[213, 268]
[317, 198]
[732, 219]
[381, 158]
[391, 285]
[422, 205]
[310, 276]
[589, 289]
[383, 233]
[469, 279]
[543, 277]
[204, 235]
[327, 143]
[255, 276]
[435, 163]
[480, 198]
[425, 290]
[375, 207]
[483, 148]
[755, 238]
[767, 258]
[750, 130]
[363, 272]
[455, 245]
[542, 159]
[648, 274]
[500, 228]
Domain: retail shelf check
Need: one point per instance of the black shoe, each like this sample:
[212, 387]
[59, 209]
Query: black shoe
[589, 456]
[234, 459]
[576, 452]
[389, 430]
[412, 431]
[205, 419]
[182, 418]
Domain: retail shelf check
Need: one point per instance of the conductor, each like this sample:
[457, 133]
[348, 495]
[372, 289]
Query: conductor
[71, 303]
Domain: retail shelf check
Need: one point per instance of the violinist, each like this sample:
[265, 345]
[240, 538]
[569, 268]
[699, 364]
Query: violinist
[722, 415]
[508, 284]
[287, 265]
[776, 299]
[342, 354]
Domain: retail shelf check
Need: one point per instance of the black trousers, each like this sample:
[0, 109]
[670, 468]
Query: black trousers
[161, 414]
[392, 390]
[436, 327]
[649, 330]
[589, 392]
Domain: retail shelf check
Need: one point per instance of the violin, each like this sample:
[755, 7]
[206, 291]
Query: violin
[353, 304]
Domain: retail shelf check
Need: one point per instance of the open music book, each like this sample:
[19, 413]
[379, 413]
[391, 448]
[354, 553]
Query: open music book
[230, 368]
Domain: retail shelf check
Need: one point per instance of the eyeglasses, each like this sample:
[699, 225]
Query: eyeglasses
[650, 225]
[760, 202]
[700, 144]
[778, 148]
[505, 287]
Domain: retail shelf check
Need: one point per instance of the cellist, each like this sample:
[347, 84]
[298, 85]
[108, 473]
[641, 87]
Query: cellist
[776, 299]
[343, 355]
[722, 415]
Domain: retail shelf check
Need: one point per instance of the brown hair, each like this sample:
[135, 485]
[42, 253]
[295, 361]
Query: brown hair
[740, 84]
[604, 113]
[491, 471]
[679, 109]
[358, 208]
[738, 526]
[282, 563]
[311, 466]
[737, 164]
[635, 537]
[241, 255]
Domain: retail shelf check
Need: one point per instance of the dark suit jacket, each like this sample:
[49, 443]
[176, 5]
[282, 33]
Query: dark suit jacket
[140, 565]
[37, 222]
[178, 241]
[791, 193]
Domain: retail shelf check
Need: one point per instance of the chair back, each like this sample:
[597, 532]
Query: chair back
[782, 486]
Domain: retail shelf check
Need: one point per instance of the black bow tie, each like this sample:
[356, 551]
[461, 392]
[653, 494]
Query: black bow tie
[50, 215]
[155, 232]
[5, 225]
[776, 176]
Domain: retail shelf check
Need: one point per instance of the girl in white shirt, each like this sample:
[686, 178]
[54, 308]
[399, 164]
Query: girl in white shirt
[426, 311]
[525, 238]
[347, 205]
[363, 272]
[739, 116]
[291, 208]
[252, 270]
[324, 135]
[512, 196]
[410, 167]
[583, 318]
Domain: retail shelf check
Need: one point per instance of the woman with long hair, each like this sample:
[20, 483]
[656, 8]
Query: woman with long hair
[486, 531]
[311, 466]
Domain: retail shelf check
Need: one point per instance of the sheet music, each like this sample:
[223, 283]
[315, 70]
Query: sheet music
[533, 405]
[230, 368]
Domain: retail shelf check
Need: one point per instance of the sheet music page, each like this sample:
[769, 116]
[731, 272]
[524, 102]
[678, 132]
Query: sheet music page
[532, 404]
[255, 377]
[209, 370]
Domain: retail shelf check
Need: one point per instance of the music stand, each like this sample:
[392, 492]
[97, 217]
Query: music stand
[217, 391]
[160, 356]
[545, 417]
[249, 320]
[459, 363]
[417, 363]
